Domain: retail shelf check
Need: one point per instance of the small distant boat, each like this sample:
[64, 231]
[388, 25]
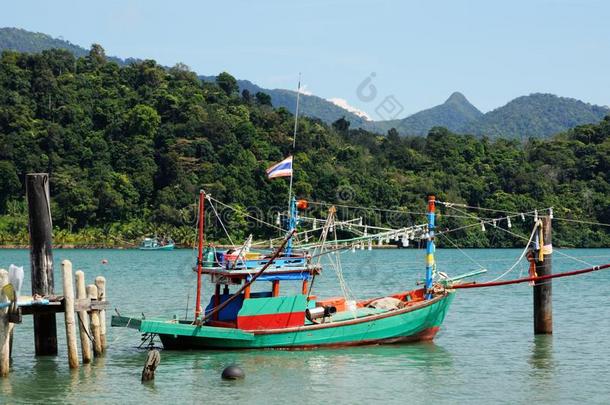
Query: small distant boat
[157, 244]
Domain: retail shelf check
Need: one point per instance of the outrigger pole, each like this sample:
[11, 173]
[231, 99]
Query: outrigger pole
[430, 247]
[200, 252]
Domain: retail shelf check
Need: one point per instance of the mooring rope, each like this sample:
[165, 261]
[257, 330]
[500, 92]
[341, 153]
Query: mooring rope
[80, 318]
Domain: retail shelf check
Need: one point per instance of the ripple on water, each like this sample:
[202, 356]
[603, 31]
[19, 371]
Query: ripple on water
[485, 352]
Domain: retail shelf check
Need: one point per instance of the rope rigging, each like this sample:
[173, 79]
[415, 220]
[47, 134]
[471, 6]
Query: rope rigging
[363, 233]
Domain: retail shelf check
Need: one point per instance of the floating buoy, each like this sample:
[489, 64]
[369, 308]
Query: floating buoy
[104, 261]
[233, 373]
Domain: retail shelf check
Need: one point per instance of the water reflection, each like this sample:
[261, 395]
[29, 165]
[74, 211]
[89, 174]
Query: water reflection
[541, 358]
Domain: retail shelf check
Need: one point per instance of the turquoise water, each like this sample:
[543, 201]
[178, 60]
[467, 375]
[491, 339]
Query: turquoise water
[486, 351]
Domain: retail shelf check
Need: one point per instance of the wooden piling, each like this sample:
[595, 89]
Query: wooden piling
[543, 290]
[41, 258]
[5, 329]
[95, 322]
[66, 268]
[152, 361]
[83, 318]
[100, 283]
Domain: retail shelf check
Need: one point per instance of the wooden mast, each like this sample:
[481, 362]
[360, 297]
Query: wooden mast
[200, 253]
[430, 247]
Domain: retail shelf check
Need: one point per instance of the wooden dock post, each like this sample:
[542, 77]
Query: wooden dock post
[100, 283]
[41, 257]
[66, 267]
[95, 322]
[543, 290]
[152, 362]
[83, 318]
[5, 329]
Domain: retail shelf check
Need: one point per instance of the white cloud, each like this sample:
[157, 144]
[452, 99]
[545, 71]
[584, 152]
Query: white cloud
[305, 91]
[341, 102]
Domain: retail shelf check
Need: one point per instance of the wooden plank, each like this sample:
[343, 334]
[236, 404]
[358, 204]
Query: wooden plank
[86, 305]
[125, 322]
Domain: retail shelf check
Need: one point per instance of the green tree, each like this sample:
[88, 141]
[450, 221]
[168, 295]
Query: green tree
[9, 183]
[227, 83]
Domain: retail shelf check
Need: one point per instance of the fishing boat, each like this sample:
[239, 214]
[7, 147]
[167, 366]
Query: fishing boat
[244, 319]
[157, 244]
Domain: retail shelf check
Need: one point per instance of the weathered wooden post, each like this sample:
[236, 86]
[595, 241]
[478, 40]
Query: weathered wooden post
[83, 317]
[5, 328]
[100, 283]
[66, 267]
[95, 322]
[41, 257]
[543, 290]
[152, 362]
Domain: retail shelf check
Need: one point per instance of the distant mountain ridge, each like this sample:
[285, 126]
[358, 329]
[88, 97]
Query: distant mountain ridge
[309, 105]
[17, 39]
[536, 115]
[454, 114]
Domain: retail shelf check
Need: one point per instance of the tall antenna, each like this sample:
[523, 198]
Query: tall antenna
[294, 140]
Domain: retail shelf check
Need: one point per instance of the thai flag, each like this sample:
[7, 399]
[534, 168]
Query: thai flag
[281, 169]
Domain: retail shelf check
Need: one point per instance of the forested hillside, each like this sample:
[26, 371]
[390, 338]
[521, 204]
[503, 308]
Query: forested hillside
[454, 114]
[537, 115]
[17, 39]
[129, 147]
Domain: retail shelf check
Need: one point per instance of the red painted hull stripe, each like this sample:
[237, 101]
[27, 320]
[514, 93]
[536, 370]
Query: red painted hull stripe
[271, 321]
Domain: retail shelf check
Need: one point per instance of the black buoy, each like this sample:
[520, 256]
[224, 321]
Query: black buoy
[233, 373]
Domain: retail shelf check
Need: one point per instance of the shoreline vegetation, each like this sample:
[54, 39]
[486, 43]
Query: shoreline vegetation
[128, 148]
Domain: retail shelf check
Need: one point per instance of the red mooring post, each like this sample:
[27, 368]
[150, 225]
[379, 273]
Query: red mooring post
[41, 258]
[543, 290]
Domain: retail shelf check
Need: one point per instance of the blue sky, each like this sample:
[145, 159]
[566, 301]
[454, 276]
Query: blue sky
[419, 51]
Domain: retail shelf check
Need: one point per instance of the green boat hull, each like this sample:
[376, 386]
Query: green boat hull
[165, 247]
[415, 323]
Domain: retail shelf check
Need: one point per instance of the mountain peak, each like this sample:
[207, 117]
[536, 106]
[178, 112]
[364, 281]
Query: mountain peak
[457, 97]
